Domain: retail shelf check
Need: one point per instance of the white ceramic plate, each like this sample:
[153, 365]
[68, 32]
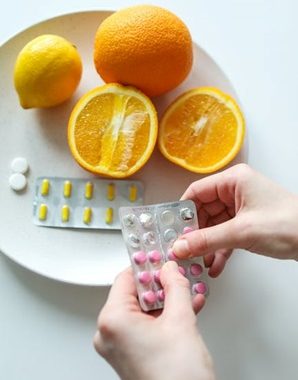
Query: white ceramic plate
[74, 256]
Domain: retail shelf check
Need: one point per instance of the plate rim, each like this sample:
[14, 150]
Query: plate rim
[10, 40]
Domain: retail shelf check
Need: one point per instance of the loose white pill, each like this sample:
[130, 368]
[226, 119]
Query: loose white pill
[17, 181]
[19, 165]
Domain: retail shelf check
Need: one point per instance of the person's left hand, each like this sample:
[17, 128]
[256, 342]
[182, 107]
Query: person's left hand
[158, 345]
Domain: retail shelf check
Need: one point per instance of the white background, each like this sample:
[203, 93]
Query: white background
[250, 321]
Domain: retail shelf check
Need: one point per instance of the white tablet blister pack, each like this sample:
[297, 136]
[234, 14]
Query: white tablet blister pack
[149, 233]
[83, 203]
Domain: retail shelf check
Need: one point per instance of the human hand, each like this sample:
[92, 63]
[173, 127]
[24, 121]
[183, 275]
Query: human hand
[161, 345]
[240, 208]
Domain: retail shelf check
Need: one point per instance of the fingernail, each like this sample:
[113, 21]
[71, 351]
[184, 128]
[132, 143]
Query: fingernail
[170, 265]
[181, 248]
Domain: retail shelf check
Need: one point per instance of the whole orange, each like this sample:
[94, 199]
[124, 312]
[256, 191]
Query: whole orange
[144, 46]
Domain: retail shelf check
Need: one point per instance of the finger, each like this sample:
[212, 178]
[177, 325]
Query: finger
[217, 186]
[219, 262]
[122, 300]
[198, 303]
[208, 240]
[178, 303]
[124, 289]
[231, 211]
[205, 190]
[98, 344]
[214, 208]
[220, 218]
[203, 217]
[208, 259]
[210, 223]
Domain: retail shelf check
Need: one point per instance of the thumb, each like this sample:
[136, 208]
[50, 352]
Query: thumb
[207, 240]
[178, 302]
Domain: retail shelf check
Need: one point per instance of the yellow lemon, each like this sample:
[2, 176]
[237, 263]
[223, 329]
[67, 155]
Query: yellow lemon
[47, 71]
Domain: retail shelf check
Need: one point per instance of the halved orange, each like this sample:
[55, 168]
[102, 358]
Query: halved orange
[112, 130]
[202, 130]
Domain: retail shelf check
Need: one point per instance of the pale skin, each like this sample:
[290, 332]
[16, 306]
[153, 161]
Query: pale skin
[237, 208]
[160, 345]
[240, 208]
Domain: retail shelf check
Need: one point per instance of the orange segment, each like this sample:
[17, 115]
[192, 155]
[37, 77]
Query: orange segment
[112, 130]
[202, 130]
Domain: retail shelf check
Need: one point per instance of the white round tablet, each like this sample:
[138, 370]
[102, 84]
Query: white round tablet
[19, 165]
[17, 181]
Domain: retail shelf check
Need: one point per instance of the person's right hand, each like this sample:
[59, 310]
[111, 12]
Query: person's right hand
[240, 208]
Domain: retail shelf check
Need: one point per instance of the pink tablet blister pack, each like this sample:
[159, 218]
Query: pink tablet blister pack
[149, 233]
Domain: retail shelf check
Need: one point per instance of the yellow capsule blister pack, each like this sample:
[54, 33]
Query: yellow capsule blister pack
[83, 203]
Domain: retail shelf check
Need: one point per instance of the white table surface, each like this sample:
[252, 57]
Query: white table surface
[250, 321]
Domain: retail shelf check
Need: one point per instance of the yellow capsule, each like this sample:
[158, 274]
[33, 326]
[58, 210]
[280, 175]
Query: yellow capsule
[65, 213]
[109, 215]
[111, 192]
[88, 190]
[133, 193]
[87, 215]
[43, 211]
[45, 187]
[67, 189]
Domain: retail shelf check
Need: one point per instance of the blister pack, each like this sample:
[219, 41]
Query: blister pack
[149, 233]
[81, 203]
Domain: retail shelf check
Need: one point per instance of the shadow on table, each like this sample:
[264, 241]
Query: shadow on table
[82, 301]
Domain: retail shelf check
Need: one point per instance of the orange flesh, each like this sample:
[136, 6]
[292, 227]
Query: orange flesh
[112, 131]
[201, 131]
